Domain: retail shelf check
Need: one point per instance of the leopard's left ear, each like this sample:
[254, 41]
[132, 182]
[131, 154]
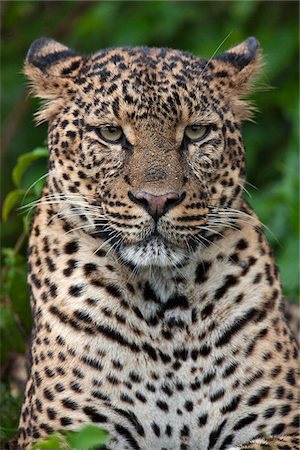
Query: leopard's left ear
[51, 68]
[242, 61]
[237, 68]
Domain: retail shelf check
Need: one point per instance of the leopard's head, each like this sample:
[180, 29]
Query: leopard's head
[145, 143]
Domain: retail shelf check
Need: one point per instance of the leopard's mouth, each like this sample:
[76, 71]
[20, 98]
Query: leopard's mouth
[154, 250]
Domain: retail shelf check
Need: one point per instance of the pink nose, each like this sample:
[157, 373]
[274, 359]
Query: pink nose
[156, 205]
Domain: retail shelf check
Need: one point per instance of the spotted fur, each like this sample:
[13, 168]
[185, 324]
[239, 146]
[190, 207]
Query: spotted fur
[165, 329]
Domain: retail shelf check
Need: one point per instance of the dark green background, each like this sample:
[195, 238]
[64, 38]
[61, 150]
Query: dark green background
[199, 27]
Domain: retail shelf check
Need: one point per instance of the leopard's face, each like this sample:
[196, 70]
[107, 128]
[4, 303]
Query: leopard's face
[145, 146]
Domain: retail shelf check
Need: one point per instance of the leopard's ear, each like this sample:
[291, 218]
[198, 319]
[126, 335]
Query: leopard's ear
[50, 68]
[242, 62]
[237, 68]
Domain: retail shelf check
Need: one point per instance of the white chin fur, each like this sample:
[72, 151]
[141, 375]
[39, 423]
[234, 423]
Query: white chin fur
[153, 253]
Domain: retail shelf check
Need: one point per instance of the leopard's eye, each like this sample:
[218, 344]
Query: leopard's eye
[195, 132]
[111, 133]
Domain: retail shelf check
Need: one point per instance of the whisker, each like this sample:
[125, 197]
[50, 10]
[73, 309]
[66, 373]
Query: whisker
[252, 185]
[214, 53]
[33, 184]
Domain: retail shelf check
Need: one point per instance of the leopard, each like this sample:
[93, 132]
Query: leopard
[157, 306]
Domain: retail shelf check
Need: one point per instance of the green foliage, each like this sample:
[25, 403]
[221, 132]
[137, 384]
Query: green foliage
[199, 27]
[15, 316]
[19, 195]
[10, 410]
[24, 161]
[88, 437]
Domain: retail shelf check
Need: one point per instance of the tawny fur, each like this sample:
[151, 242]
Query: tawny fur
[166, 330]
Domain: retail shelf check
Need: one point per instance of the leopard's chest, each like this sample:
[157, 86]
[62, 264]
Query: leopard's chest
[161, 367]
[174, 402]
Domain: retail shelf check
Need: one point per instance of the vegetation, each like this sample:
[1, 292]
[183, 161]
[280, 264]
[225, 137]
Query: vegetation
[199, 27]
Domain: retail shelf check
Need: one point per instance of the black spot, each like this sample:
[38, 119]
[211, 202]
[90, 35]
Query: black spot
[71, 247]
[227, 441]
[64, 421]
[75, 387]
[51, 413]
[280, 392]
[229, 370]
[35, 281]
[167, 390]
[59, 387]
[278, 429]
[77, 373]
[82, 315]
[255, 399]
[135, 377]
[201, 271]
[150, 350]
[245, 421]
[168, 430]
[217, 395]
[242, 244]
[215, 434]
[195, 385]
[71, 134]
[207, 310]
[72, 264]
[70, 404]
[50, 264]
[93, 414]
[131, 417]
[92, 362]
[89, 268]
[155, 429]
[48, 394]
[232, 405]
[53, 290]
[162, 405]
[204, 350]
[113, 290]
[140, 397]
[189, 406]
[284, 410]
[125, 398]
[76, 290]
[184, 432]
[237, 325]
[149, 294]
[114, 335]
[176, 301]
[202, 420]
[290, 377]
[164, 357]
[128, 436]
[296, 421]
[230, 280]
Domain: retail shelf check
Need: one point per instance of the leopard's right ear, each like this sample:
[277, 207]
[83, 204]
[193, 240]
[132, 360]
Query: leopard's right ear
[50, 67]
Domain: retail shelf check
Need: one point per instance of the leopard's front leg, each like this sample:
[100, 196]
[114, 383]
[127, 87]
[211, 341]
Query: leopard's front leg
[279, 443]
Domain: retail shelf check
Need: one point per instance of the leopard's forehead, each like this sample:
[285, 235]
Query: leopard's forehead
[140, 82]
[144, 65]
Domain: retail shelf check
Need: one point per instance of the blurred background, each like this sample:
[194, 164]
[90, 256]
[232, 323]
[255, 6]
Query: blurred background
[199, 27]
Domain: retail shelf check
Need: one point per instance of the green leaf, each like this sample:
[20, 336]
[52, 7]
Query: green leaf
[10, 201]
[25, 161]
[87, 438]
[9, 412]
[10, 335]
[53, 442]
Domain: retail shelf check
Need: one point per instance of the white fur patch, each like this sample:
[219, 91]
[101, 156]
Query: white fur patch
[153, 253]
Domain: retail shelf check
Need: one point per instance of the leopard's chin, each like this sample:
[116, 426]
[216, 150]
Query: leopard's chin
[154, 251]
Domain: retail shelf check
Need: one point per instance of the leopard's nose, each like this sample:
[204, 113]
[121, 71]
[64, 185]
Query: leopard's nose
[156, 205]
